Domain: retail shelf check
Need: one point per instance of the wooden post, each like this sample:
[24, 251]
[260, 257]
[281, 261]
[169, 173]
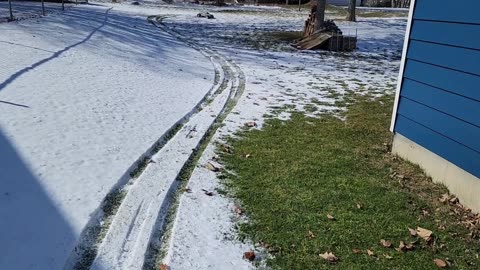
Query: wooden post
[10, 8]
[43, 7]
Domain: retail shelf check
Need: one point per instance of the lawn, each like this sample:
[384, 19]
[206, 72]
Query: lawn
[329, 184]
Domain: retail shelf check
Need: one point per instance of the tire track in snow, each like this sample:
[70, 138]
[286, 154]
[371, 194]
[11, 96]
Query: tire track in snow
[134, 215]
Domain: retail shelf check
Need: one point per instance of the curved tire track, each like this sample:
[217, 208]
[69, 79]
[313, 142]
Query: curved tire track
[125, 231]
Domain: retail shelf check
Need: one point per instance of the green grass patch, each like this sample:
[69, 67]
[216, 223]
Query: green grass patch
[301, 170]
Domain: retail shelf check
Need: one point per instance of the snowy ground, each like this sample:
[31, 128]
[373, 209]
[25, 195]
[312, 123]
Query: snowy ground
[85, 94]
[277, 78]
[82, 96]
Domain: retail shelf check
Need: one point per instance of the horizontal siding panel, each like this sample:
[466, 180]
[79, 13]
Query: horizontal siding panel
[460, 107]
[444, 124]
[460, 59]
[465, 11]
[462, 35]
[452, 151]
[451, 80]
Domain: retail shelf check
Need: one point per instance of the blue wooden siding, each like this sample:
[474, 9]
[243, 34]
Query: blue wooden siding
[439, 105]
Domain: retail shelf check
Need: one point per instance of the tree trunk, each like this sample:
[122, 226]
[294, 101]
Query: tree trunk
[351, 11]
[320, 14]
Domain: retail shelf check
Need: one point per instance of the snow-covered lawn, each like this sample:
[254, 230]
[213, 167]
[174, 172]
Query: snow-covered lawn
[82, 96]
[87, 93]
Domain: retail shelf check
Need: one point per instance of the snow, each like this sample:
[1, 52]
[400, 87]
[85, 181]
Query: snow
[86, 94]
[82, 96]
[277, 77]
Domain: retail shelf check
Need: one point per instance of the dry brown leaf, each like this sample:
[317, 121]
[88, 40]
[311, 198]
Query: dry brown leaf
[238, 210]
[370, 253]
[356, 251]
[330, 217]
[249, 255]
[444, 198]
[311, 234]
[409, 247]
[440, 263]
[329, 257]
[387, 256]
[401, 247]
[359, 206]
[424, 233]
[385, 243]
[453, 200]
[211, 167]
[412, 232]
[163, 267]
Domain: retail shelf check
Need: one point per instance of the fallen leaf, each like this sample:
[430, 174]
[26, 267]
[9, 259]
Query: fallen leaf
[330, 217]
[247, 155]
[208, 193]
[356, 251]
[311, 235]
[409, 247]
[453, 200]
[444, 198]
[264, 245]
[424, 233]
[227, 148]
[440, 263]
[329, 257]
[249, 255]
[359, 206]
[385, 243]
[387, 256]
[163, 267]
[238, 210]
[251, 124]
[412, 232]
[213, 166]
[401, 247]
[370, 253]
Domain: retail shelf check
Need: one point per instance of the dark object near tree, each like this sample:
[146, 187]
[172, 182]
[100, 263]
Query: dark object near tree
[325, 35]
[205, 15]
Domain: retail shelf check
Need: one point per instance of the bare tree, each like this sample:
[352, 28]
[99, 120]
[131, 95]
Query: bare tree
[351, 11]
[320, 14]
[10, 8]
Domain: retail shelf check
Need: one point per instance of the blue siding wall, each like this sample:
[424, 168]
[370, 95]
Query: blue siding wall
[439, 106]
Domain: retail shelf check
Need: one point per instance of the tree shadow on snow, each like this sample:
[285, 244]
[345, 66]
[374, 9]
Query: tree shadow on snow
[21, 72]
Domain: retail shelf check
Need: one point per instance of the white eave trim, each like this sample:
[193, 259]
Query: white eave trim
[402, 65]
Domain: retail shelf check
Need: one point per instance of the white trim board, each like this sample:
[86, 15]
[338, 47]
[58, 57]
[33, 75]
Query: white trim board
[402, 65]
